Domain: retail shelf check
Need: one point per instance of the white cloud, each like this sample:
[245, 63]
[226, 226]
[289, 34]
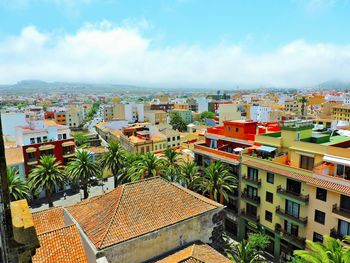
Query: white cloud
[106, 53]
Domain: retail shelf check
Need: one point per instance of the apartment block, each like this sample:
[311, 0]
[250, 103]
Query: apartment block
[108, 113]
[130, 112]
[295, 187]
[156, 117]
[341, 112]
[186, 115]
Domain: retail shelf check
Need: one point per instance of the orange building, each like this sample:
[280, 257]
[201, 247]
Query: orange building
[60, 117]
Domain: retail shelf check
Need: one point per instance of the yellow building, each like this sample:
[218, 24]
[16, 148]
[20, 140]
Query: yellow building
[295, 185]
[156, 116]
[341, 112]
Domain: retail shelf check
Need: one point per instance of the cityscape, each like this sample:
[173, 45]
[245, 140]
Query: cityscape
[126, 135]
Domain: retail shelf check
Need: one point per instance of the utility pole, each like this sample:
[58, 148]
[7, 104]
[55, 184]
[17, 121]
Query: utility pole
[5, 211]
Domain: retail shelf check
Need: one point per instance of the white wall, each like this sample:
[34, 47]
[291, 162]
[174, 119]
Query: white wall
[9, 122]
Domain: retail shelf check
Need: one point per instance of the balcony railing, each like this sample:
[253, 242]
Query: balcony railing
[246, 179]
[341, 211]
[215, 153]
[250, 198]
[285, 214]
[255, 218]
[299, 241]
[299, 197]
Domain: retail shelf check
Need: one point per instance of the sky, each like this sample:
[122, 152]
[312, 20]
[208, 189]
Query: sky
[281, 43]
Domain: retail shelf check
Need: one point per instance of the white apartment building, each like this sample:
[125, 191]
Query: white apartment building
[41, 131]
[132, 112]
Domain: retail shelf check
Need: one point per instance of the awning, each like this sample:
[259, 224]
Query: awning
[30, 150]
[47, 147]
[266, 149]
[238, 149]
[338, 160]
[70, 143]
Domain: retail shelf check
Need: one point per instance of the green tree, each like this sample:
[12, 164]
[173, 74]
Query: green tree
[18, 187]
[114, 160]
[147, 165]
[331, 251]
[248, 251]
[81, 169]
[177, 122]
[218, 181]
[47, 175]
[80, 139]
[207, 115]
[189, 175]
[303, 101]
[172, 162]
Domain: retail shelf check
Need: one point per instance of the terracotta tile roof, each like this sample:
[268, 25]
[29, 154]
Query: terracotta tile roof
[61, 245]
[196, 253]
[343, 189]
[48, 220]
[137, 208]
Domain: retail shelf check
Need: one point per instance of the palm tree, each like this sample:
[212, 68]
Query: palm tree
[303, 101]
[218, 181]
[47, 175]
[147, 166]
[114, 160]
[82, 168]
[189, 175]
[248, 251]
[18, 187]
[331, 251]
[172, 163]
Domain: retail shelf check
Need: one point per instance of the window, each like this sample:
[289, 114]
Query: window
[268, 216]
[155, 147]
[60, 136]
[269, 197]
[32, 140]
[168, 139]
[320, 217]
[45, 138]
[343, 228]
[147, 149]
[270, 178]
[292, 208]
[38, 139]
[64, 136]
[142, 150]
[293, 186]
[236, 129]
[178, 137]
[291, 228]
[345, 203]
[306, 162]
[253, 174]
[317, 237]
[252, 192]
[321, 194]
[174, 138]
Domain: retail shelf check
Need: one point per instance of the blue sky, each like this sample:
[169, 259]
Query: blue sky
[180, 35]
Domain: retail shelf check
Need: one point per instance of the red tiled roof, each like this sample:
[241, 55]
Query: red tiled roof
[196, 253]
[343, 189]
[137, 208]
[48, 220]
[62, 245]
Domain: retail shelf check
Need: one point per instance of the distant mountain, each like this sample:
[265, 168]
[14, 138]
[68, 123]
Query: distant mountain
[335, 85]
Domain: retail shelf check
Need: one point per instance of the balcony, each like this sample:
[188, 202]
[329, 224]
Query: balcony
[341, 211]
[250, 181]
[298, 198]
[32, 161]
[296, 240]
[216, 154]
[301, 221]
[254, 200]
[251, 217]
[327, 171]
[336, 234]
[67, 154]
